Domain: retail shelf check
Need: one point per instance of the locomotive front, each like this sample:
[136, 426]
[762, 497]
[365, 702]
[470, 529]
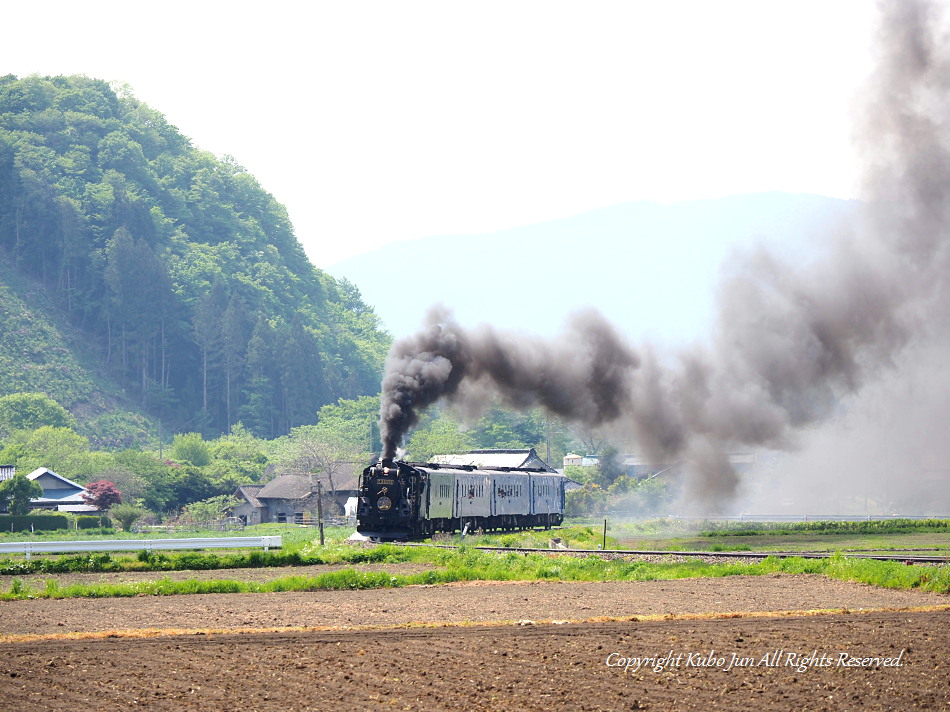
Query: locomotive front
[389, 500]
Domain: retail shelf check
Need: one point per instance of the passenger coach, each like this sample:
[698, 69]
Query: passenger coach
[401, 500]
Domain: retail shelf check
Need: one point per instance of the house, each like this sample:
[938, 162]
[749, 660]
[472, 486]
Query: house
[59, 493]
[288, 495]
[251, 509]
[494, 458]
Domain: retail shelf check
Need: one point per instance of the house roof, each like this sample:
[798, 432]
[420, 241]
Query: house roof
[78, 508]
[40, 471]
[301, 486]
[62, 491]
[59, 497]
[346, 477]
[249, 493]
[288, 487]
[494, 458]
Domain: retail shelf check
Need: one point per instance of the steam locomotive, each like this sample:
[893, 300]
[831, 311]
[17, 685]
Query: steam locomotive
[401, 500]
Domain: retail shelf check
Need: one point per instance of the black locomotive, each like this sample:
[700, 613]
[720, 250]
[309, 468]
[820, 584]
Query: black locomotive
[402, 500]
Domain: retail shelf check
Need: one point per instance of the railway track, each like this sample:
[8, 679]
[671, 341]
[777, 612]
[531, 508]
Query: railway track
[911, 557]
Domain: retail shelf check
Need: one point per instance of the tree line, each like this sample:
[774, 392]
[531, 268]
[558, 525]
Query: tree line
[167, 477]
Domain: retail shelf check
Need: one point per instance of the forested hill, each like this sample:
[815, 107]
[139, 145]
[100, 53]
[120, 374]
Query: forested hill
[175, 268]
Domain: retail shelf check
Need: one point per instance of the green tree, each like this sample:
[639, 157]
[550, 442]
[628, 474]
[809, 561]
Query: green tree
[442, 436]
[158, 476]
[590, 474]
[610, 464]
[355, 421]
[212, 509]
[189, 484]
[60, 449]
[191, 448]
[239, 454]
[303, 379]
[320, 451]
[126, 515]
[16, 493]
[589, 500]
[505, 429]
[141, 303]
[261, 407]
[206, 325]
[235, 325]
[29, 411]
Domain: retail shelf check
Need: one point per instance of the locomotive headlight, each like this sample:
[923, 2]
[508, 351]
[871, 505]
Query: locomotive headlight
[384, 503]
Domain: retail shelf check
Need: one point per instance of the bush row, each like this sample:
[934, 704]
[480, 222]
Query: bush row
[201, 561]
[32, 522]
[50, 522]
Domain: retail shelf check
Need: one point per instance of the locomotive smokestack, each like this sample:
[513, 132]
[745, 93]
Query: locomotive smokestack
[789, 342]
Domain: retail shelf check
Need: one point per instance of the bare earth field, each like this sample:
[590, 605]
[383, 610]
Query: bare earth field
[487, 646]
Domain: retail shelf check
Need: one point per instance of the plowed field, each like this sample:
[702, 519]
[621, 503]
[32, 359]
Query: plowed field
[736, 643]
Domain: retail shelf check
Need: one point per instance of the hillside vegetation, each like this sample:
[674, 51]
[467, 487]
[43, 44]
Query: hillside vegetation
[175, 268]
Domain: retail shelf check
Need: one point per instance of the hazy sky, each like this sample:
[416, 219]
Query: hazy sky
[380, 121]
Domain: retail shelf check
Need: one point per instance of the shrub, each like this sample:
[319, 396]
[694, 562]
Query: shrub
[127, 514]
[32, 522]
[86, 521]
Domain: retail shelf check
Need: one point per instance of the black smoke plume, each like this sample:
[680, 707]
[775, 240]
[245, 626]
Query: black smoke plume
[791, 340]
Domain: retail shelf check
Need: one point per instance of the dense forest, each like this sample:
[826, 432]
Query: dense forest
[176, 270]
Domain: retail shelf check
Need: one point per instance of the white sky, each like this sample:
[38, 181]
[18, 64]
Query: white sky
[381, 121]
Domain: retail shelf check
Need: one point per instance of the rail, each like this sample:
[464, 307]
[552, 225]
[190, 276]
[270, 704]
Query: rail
[71, 547]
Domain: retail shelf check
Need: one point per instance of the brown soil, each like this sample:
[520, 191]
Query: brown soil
[474, 660]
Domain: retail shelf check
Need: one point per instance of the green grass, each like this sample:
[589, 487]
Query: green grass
[823, 536]
[574, 537]
[301, 547]
[302, 553]
[468, 564]
[293, 536]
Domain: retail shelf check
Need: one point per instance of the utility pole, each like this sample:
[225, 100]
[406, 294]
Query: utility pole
[320, 509]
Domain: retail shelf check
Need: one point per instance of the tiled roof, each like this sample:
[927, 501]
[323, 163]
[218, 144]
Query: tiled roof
[288, 487]
[250, 492]
[494, 458]
[40, 471]
[301, 486]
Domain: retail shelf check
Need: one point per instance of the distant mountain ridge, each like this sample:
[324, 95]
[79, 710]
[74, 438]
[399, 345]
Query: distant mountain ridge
[649, 267]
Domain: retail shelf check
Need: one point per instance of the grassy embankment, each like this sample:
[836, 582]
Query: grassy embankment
[465, 564]
[894, 535]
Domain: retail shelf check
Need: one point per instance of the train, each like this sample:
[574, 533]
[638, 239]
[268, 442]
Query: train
[405, 500]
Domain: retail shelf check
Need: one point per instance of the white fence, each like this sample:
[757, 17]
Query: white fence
[69, 547]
